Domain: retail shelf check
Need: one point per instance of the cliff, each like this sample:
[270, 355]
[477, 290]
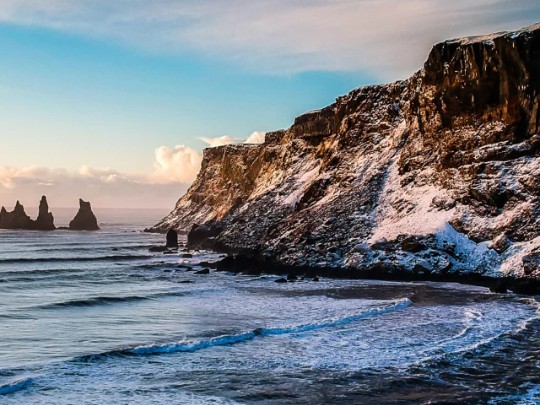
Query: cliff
[437, 174]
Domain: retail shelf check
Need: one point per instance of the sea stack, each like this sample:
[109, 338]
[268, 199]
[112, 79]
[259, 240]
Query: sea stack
[85, 220]
[16, 219]
[45, 219]
[172, 239]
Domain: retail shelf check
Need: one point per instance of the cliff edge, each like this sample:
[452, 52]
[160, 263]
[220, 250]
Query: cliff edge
[437, 174]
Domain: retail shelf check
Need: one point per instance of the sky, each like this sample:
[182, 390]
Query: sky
[114, 101]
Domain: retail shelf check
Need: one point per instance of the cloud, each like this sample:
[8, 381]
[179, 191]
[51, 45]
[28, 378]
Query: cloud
[179, 164]
[174, 169]
[388, 38]
[222, 140]
[105, 188]
[256, 137]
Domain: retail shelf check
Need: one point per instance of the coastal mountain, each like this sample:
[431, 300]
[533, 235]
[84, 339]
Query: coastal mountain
[437, 174]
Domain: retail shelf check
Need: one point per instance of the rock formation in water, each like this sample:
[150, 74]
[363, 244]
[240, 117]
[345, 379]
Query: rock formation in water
[85, 220]
[438, 174]
[16, 219]
[45, 219]
[172, 239]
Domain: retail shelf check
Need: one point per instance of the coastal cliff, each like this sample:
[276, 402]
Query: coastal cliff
[438, 174]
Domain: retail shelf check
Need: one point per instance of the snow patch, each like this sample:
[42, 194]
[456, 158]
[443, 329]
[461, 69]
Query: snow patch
[472, 255]
[513, 257]
[408, 210]
[302, 184]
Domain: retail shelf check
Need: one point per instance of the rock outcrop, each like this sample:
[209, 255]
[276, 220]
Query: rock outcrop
[85, 220]
[45, 219]
[16, 219]
[172, 239]
[438, 174]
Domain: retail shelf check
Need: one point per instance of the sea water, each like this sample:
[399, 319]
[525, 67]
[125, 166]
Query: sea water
[95, 318]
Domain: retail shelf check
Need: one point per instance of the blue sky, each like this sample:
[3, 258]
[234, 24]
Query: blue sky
[110, 100]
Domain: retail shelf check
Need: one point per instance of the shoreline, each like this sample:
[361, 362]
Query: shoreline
[253, 265]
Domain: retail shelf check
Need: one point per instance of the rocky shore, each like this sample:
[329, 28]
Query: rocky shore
[434, 177]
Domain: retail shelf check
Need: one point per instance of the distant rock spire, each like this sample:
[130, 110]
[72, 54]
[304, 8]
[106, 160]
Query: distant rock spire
[85, 220]
[45, 219]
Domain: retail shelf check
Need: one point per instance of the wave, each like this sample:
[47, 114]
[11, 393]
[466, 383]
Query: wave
[225, 340]
[105, 300]
[15, 386]
[74, 259]
[86, 248]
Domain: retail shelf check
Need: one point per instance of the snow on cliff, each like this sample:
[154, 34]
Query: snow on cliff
[439, 173]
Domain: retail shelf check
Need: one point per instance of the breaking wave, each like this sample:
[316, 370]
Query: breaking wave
[15, 386]
[225, 340]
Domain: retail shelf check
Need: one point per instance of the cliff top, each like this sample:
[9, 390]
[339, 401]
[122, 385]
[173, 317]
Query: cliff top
[491, 37]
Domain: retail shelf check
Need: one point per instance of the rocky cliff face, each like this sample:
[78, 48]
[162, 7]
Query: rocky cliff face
[437, 174]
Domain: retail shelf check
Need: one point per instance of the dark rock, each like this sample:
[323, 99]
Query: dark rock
[291, 277]
[45, 219]
[203, 236]
[531, 263]
[186, 255]
[203, 271]
[172, 239]
[499, 288]
[85, 220]
[239, 263]
[16, 219]
[280, 280]
[315, 278]
[185, 282]
[526, 286]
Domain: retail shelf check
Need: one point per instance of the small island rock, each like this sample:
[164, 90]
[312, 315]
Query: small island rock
[45, 219]
[16, 219]
[85, 220]
[172, 239]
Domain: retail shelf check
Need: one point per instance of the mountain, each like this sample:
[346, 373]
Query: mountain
[438, 174]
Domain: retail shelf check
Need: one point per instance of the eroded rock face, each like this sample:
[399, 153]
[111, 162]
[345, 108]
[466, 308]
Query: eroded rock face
[437, 174]
[85, 220]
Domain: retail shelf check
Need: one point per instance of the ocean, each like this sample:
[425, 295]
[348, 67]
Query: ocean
[95, 318]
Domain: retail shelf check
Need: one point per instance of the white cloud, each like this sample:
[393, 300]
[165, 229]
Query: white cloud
[256, 137]
[389, 38]
[222, 140]
[175, 168]
[179, 164]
